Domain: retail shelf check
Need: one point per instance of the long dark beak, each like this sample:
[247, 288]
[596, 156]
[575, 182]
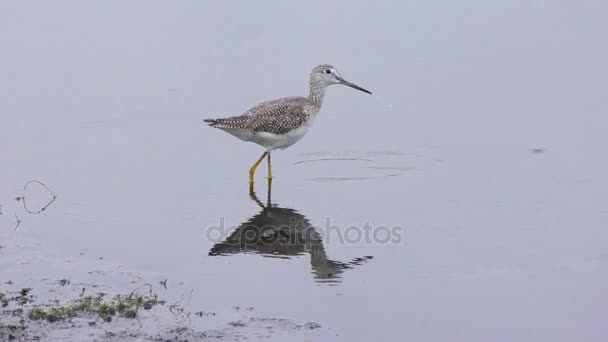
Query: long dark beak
[352, 85]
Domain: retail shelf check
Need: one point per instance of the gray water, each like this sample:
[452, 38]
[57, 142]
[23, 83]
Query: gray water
[482, 151]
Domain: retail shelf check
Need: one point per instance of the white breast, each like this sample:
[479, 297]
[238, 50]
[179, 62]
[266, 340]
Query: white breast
[271, 141]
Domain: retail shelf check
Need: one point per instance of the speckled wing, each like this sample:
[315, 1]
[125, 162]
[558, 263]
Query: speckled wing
[277, 117]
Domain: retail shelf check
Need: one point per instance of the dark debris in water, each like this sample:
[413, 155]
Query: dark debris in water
[203, 313]
[240, 330]
[237, 324]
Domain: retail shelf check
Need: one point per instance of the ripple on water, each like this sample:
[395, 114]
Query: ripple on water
[358, 166]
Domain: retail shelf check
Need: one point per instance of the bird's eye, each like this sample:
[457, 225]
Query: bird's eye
[328, 71]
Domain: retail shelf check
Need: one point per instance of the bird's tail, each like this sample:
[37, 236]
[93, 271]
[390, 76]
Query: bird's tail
[211, 122]
[237, 122]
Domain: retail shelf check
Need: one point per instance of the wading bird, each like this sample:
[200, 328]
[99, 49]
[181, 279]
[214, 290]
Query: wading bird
[278, 124]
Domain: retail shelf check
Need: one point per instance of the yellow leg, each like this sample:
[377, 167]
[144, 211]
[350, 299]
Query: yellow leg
[269, 168]
[255, 165]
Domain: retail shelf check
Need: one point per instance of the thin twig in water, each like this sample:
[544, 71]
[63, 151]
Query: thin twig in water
[152, 295]
[24, 201]
[18, 223]
[177, 309]
[190, 297]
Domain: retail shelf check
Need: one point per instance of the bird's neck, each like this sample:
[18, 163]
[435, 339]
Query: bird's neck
[317, 92]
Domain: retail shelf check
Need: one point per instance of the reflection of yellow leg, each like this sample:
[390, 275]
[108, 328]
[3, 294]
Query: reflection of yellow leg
[269, 191]
[253, 196]
[269, 168]
[255, 165]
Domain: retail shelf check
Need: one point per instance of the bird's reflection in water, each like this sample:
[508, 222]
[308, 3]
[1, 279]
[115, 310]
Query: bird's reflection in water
[284, 233]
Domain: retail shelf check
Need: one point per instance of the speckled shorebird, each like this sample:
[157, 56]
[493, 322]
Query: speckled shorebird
[278, 124]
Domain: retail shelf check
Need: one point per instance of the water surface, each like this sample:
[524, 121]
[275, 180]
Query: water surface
[483, 144]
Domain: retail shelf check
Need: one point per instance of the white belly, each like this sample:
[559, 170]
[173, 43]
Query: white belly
[271, 141]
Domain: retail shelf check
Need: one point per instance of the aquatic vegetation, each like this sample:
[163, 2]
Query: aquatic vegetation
[3, 300]
[10, 331]
[19, 310]
[11, 308]
[127, 306]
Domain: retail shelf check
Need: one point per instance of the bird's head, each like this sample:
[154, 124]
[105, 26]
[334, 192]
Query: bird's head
[326, 75]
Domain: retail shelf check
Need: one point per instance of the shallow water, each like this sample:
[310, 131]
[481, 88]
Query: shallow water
[464, 200]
